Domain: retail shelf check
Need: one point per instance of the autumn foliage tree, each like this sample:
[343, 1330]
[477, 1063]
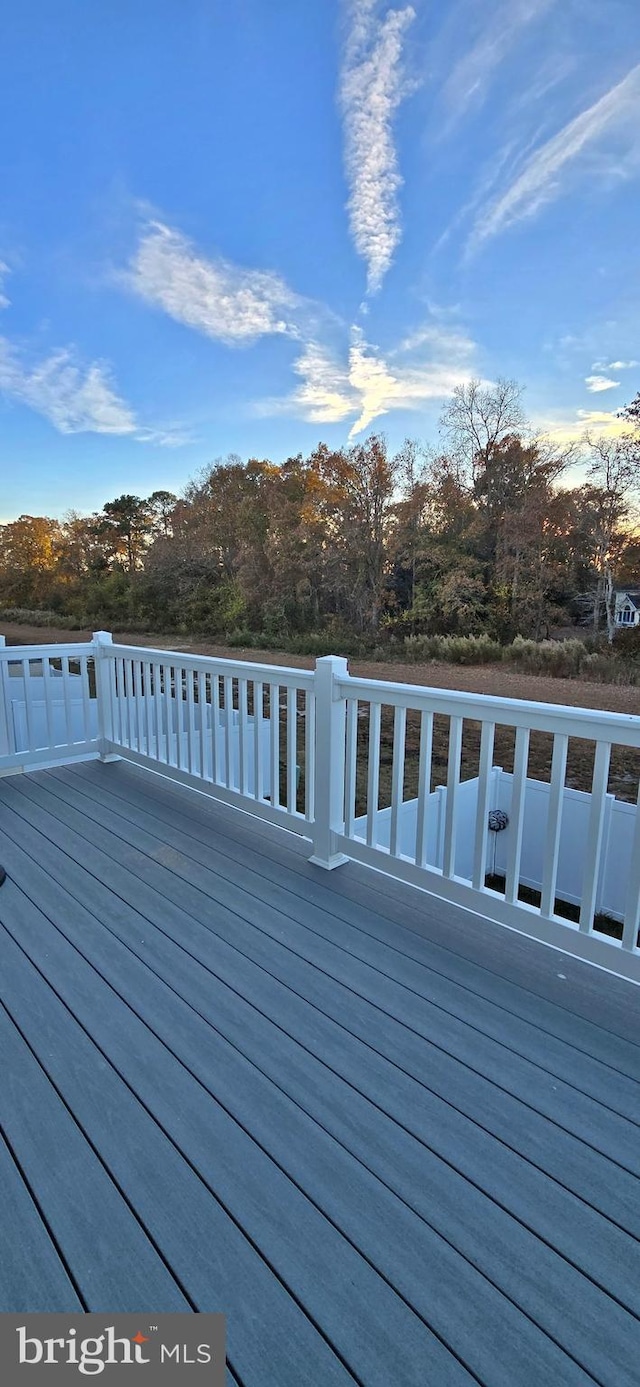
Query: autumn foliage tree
[354, 544]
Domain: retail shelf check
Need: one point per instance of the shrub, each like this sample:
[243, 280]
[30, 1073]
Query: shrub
[455, 650]
[627, 644]
[560, 659]
[24, 616]
[568, 659]
[241, 637]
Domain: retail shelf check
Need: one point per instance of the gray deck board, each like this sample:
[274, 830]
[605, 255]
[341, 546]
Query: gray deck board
[310, 1121]
[304, 1248]
[99, 1237]
[215, 1263]
[478, 954]
[261, 931]
[502, 1245]
[600, 1184]
[32, 1273]
[574, 1227]
[458, 1014]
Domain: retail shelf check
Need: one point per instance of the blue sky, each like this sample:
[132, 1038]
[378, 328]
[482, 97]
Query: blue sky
[245, 228]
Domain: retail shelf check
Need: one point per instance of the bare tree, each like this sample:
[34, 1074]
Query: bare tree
[614, 474]
[478, 418]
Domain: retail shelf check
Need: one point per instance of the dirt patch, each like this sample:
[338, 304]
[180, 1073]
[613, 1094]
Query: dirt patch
[485, 679]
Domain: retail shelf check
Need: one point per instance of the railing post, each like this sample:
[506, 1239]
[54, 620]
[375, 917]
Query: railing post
[329, 754]
[7, 738]
[104, 693]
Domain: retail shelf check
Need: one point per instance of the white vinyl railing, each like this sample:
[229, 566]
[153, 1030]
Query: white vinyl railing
[48, 705]
[244, 731]
[448, 845]
[368, 770]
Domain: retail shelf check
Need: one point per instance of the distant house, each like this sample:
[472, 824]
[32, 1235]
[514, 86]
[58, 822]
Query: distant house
[627, 609]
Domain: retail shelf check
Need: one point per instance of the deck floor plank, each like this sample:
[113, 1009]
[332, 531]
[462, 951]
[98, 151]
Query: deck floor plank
[101, 1240]
[357, 1310]
[420, 1174]
[547, 987]
[505, 1111]
[270, 1337]
[596, 1080]
[568, 1300]
[32, 1274]
[536, 1200]
[429, 1116]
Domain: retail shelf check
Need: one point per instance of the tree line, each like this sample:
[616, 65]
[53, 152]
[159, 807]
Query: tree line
[482, 535]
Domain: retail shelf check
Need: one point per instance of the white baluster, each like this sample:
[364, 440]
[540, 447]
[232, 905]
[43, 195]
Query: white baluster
[48, 701]
[351, 763]
[554, 824]
[216, 741]
[593, 845]
[632, 911]
[66, 697]
[202, 712]
[487, 737]
[373, 773]
[292, 730]
[243, 725]
[397, 777]
[258, 708]
[191, 723]
[516, 815]
[453, 781]
[424, 786]
[228, 730]
[274, 742]
[309, 758]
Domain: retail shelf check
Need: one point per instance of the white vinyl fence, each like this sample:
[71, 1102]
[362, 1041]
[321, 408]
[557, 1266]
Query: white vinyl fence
[352, 764]
[617, 838]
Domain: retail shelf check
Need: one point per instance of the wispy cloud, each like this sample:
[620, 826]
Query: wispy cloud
[598, 383]
[622, 365]
[382, 386]
[616, 113]
[573, 428]
[75, 398]
[368, 384]
[325, 395]
[469, 81]
[371, 89]
[222, 300]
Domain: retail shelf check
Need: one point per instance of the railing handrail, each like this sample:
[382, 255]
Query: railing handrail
[250, 669]
[14, 653]
[480, 707]
[513, 712]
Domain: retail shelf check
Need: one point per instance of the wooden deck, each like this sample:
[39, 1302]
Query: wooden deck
[396, 1144]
